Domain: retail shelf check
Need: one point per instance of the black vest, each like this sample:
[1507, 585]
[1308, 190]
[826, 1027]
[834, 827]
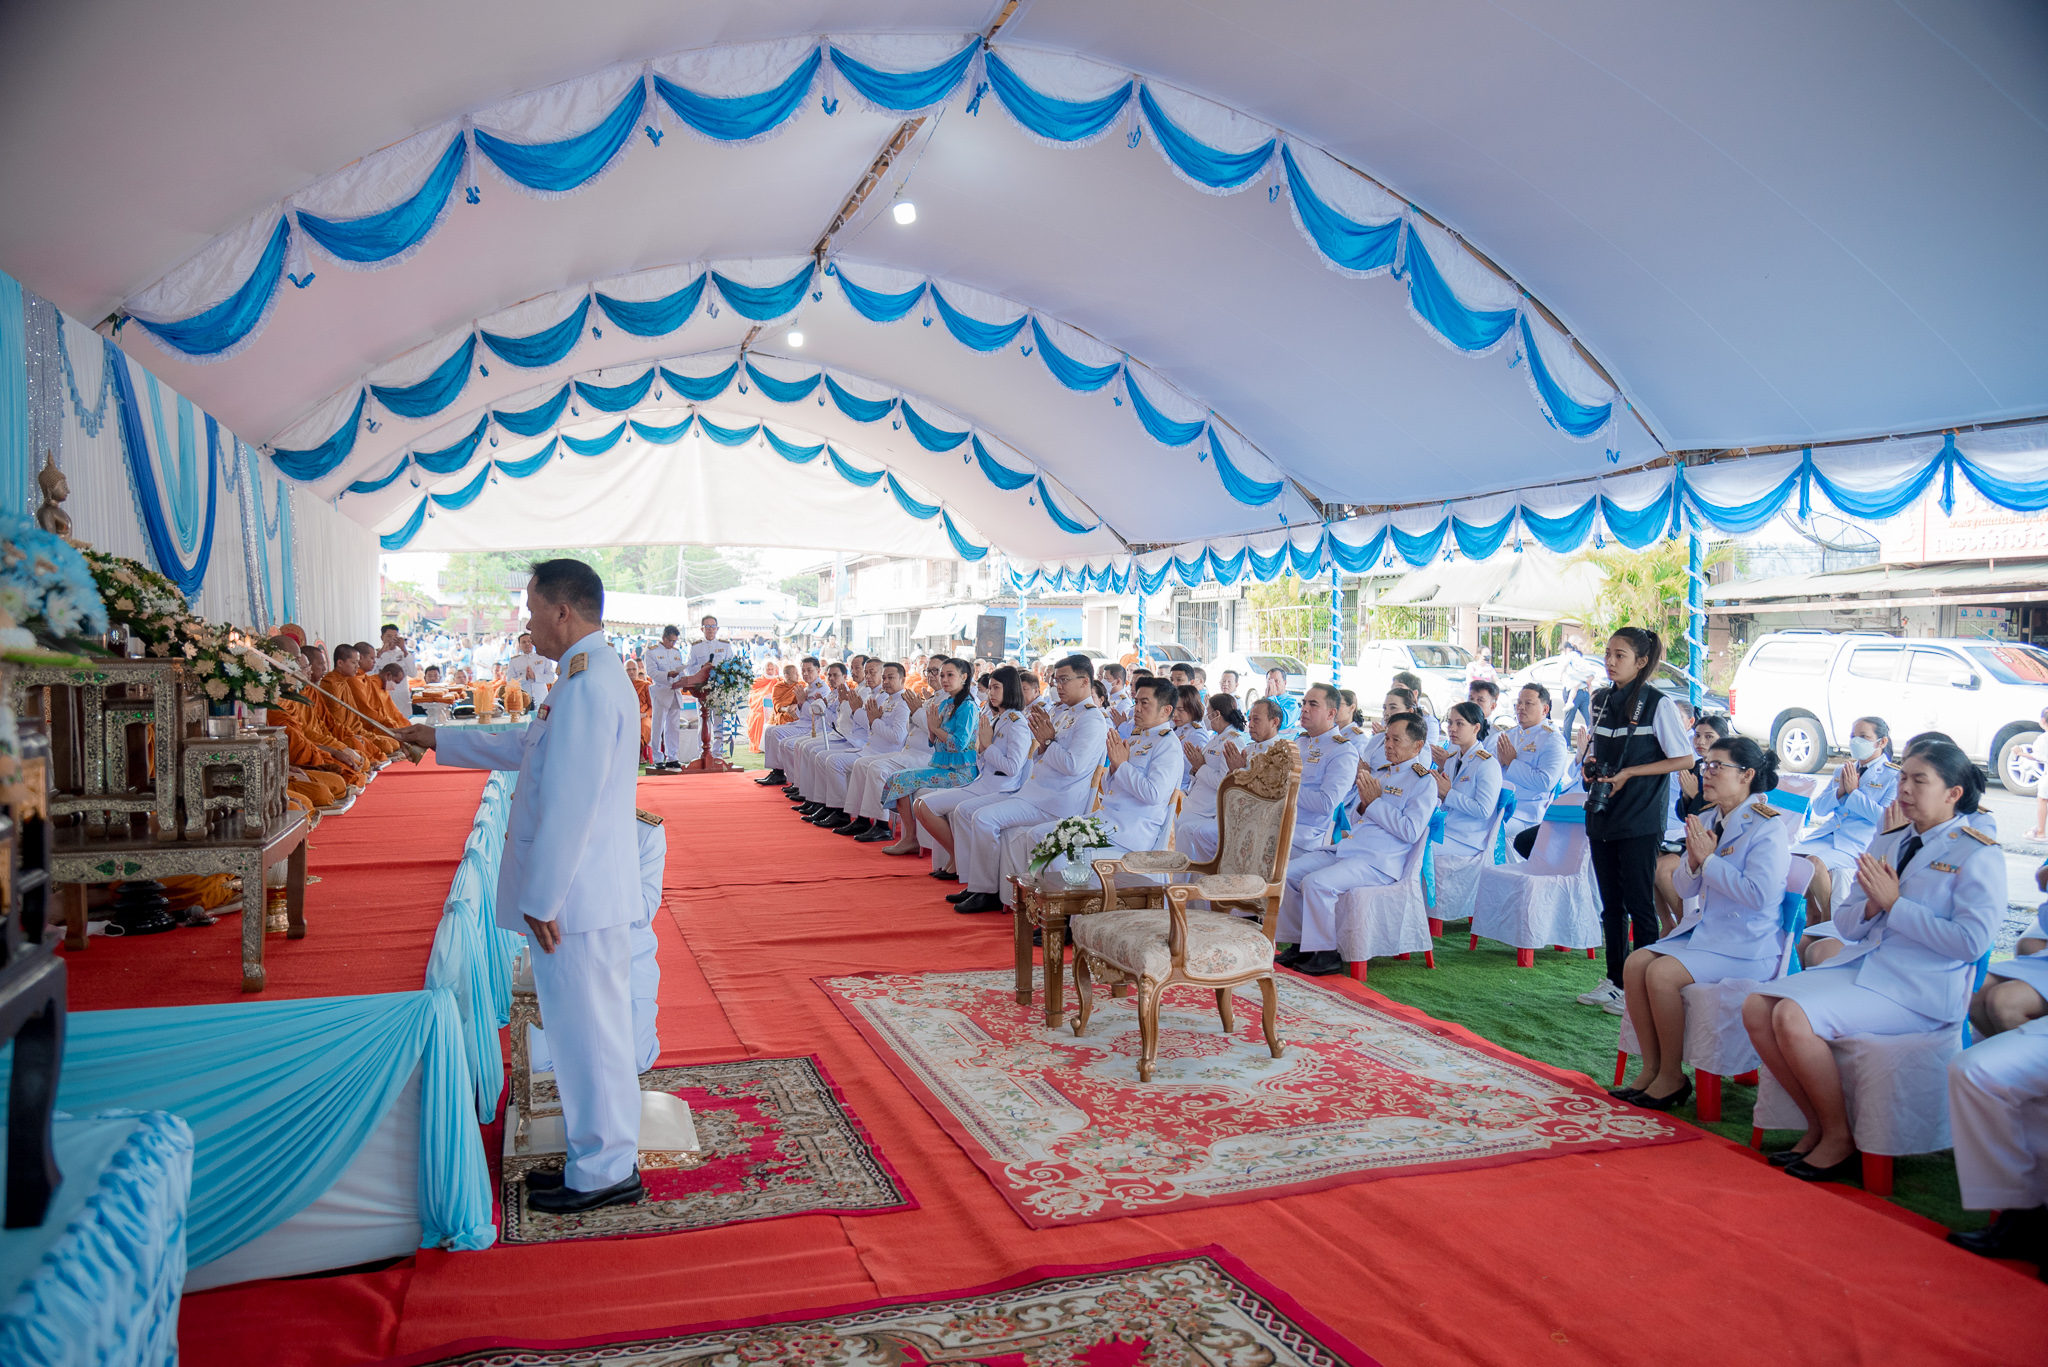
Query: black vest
[1639, 808]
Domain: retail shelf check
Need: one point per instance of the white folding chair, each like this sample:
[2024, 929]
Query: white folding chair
[1549, 898]
[1457, 880]
[1390, 921]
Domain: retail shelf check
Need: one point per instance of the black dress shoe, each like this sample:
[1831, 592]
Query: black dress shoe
[1321, 964]
[774, 778]
[823, 815]
[569, 1201]
[1290, 957]
[791, 790]
[1839, 1172]
[858, 826]
[543, 1179]
[873, 836]
[1665, 1103]
[1785, 1158]
[956, 898]
[945, 875]
[836, 820]
[804, 808]
[2015, 1234]
[977, 902]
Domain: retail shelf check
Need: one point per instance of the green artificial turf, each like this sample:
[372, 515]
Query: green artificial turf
[1532, 1011]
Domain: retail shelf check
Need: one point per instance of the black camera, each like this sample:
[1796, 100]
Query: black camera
[1599, 789]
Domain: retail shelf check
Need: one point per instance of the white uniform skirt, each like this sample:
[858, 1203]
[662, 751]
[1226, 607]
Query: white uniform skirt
[2031, 970]
[1711, 966]
[1835, 1006]
[1841, 863]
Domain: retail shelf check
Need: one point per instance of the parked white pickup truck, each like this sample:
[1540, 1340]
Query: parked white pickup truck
[1800, 691]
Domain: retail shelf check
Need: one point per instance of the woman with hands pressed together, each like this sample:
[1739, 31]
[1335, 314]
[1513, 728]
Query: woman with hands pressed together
[1737, 851]
[1468, 781]
[1929, 895]
[1195, 832]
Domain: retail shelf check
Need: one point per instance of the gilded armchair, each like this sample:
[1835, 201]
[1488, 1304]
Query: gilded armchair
[1209, 946]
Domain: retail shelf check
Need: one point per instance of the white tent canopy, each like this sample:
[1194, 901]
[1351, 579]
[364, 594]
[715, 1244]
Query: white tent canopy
[1758, 240]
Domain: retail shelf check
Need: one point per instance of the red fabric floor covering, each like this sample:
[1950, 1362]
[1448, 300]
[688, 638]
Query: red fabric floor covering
[1684, 1253]
[384, 868]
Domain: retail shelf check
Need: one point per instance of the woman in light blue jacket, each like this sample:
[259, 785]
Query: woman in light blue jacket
[1846, 811]
[1737, 852]
[1929, 896]
[1468, 781]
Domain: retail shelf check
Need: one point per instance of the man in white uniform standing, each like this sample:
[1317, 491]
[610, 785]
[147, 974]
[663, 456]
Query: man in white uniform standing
[706, 655]
[666, 665]
[531, 670]
[571, 880]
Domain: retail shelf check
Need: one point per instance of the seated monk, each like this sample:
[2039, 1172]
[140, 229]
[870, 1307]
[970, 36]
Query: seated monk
[206, 892]
[640, 685]
[757, 713]
[322, 768]
[375, 701]
[329, 694]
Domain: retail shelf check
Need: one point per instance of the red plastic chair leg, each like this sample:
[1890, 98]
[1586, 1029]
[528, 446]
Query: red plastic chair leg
[1620, 1065]
[1589, 951]
[1747, 1079]
[1877, 1174]
[1474, 944]
[1707, 1096]
[1558, 948]
[1429, 957]
[1357, 971]
[1436, 927]
[1756, 1140]
[1525, 958]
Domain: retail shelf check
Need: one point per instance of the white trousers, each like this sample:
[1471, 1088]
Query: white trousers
[775, 738]
[804, 756]
[1195, 837]
[865, 782]
[814, 759]
[586, 1004]
[646, 983]
[838, 773]
[1998, 1112]
[1316, 879]
[978, 826]
[666, 732]
[945, 802]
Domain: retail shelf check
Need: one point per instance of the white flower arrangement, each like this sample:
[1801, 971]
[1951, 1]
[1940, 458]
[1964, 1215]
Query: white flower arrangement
[727, 688]
[46, 589]
[1072, 836]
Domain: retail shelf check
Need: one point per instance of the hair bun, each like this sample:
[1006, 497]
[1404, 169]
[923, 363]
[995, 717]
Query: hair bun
[1768, 770]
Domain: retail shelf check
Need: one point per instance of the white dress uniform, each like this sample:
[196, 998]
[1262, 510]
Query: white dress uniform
[1329, 770]
[646, 972]
[848, 731]
[1733, 932]
[1194, 835]
[1137, 805]
[1468, 806]
[1059, 786]
[572, 857]
[401, 657]
[1199, 737]
[774, 739]
[999, 770]
[1538, 767]
[1838, 828]
[1909, 969]
[1372, 855]
[665, 707]
[886, 734]
[871, 772]
[1998, 1103]
[534, 673]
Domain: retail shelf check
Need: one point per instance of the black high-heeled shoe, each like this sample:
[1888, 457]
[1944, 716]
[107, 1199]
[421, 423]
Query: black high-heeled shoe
[1849, 1167]
[1665, 1103]
[1629, 1094]
[1785, 1158]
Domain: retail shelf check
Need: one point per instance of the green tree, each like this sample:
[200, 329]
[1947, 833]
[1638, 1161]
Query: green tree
[802, 587]
[1644, 588]
[1291, 617]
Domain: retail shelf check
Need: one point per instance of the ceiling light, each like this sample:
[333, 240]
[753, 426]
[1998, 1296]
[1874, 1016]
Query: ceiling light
[796, 339]
[905, 212]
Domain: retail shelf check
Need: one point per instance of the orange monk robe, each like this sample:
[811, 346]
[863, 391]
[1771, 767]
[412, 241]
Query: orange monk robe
[757, 716]
[205, 891]
[643, 688]
[339, 722]
[376, 700]
[327, 776]
[784, 698]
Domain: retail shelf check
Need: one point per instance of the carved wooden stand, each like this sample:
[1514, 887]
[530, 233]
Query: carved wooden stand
[31, 983]
[706, 762]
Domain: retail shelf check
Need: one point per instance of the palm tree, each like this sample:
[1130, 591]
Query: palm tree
[1644, 588]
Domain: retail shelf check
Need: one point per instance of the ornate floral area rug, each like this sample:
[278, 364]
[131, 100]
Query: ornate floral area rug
[1196, 1309]
[778, 1139]
[1067, 1133]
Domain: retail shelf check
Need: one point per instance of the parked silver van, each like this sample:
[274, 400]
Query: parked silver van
[1800, 691]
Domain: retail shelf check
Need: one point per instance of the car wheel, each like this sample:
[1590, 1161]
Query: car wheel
[1801, 745]
[2017, 768]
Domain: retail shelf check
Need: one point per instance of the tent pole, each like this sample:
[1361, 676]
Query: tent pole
[1696, 616]
[1141, 625]
[1336, 627]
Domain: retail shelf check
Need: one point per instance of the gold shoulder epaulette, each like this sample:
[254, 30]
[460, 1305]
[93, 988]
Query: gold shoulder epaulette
[1482, 754]
[649, 817]
[1421, 769]
[578, 662]
[1900, 827]
[1979, 836]
[1766, 811]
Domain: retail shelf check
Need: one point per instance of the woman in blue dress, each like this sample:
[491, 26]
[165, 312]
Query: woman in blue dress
[954, 718]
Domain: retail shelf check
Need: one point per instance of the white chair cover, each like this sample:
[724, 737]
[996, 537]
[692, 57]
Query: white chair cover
[1375, 923]
[1896, 1087]
[1715, 1041]
[1457, 880]
[1549, 899]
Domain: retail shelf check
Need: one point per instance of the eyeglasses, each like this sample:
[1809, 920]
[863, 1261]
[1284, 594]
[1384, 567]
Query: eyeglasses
[1708, 768]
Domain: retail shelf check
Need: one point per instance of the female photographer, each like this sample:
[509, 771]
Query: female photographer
[1736, 854]
[1638, 736]
[1929, 896]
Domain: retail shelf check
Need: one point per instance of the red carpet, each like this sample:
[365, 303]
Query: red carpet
[1682, 1253]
